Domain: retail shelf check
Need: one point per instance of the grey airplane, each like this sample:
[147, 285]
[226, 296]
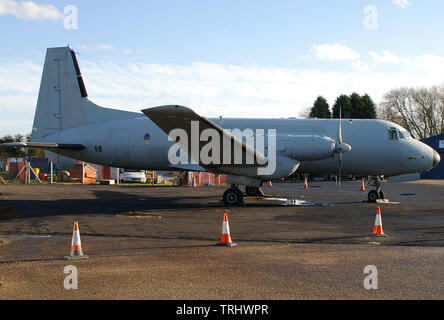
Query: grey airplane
[67, 123]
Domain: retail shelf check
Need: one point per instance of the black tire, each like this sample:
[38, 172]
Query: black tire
[233, 197]
[250, 191]
[254, 192]
[373, 196]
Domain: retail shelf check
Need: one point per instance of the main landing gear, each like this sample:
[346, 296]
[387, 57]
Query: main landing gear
[254, 191]
[377, 194]
[233, 196]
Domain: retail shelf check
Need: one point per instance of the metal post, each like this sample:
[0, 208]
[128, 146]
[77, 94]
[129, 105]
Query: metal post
[152, 180]
[83, 171]
[27, 172]
[35, 174]
[51, 172]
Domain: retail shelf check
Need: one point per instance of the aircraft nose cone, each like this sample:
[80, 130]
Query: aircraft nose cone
[436, 158]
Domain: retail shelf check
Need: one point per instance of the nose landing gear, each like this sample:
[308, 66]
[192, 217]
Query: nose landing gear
[377, 194]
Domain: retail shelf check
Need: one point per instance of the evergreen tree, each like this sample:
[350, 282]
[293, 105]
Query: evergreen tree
[320, 109]
[368, 108]
[342, 103]
[355, 106]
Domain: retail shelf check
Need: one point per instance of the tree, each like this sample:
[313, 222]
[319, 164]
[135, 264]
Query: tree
[419, 110]
[355, 106]
[35, 152]
[11, 152]
[369, 108]
[342, 103]
[320, 109]
[305, 113]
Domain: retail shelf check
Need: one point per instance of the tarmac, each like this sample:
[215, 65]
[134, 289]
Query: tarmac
[159, 242]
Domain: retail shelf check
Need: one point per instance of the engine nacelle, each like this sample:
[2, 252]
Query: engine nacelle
[306, 148]
[281, 167]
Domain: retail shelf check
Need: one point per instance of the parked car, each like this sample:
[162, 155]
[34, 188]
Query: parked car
[133, 176]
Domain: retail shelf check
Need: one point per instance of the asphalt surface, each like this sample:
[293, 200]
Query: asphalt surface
[158, 243]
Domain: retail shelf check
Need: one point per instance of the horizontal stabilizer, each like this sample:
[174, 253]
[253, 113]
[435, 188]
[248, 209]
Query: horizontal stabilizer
[44, 145]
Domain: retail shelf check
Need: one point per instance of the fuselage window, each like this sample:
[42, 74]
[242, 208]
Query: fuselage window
[147, 138]
[393, 134]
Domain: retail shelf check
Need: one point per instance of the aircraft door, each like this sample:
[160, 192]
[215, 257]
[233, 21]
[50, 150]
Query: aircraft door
[121, 145]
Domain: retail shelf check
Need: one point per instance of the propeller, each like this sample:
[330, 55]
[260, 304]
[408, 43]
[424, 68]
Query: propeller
[341, 148]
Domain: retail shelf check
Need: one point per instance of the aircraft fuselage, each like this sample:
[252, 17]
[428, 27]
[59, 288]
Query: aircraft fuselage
[139, 144]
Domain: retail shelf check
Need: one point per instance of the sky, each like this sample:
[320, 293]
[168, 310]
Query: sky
[232, 58]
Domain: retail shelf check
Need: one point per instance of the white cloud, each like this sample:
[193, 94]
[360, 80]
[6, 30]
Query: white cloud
[360, 66]
[29, 10]
[210, 89]
[389, 57]
[401, 3]
[127, 51]
[334, 52]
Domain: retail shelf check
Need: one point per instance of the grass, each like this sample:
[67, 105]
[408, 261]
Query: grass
[6, 175]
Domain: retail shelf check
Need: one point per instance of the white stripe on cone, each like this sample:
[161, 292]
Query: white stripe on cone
[378, 220]
[225, 228]
[76, 238]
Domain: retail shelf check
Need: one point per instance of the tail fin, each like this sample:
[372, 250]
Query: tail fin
[63, 100]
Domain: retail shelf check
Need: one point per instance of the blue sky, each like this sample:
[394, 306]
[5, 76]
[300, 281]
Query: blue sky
[249, 58]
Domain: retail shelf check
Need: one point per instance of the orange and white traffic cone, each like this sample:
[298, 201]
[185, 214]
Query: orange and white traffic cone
[377, 229]
[270, 184]
[225, 239]
[363, 185]
[76, 244]
[306, 183]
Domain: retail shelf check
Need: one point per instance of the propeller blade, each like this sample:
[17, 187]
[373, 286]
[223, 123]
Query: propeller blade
[340, 151]
[340, 126]
[340, 169]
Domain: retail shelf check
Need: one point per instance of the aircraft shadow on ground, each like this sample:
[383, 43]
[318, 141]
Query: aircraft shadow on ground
[115, 202]
[106, 202]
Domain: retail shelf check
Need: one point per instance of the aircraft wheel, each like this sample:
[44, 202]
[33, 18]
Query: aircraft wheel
[233, 197]
[254, 191]
[373, 196]
[250, 191]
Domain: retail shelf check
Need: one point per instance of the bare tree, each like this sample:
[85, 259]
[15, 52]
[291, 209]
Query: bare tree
[305, 113]
[419, 110]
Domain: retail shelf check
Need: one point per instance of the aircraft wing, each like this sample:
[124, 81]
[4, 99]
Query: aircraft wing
[187, 167]
[173, 117]
[43, 145]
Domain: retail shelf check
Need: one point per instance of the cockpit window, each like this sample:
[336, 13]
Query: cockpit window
[404, 135]
[393, 134]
